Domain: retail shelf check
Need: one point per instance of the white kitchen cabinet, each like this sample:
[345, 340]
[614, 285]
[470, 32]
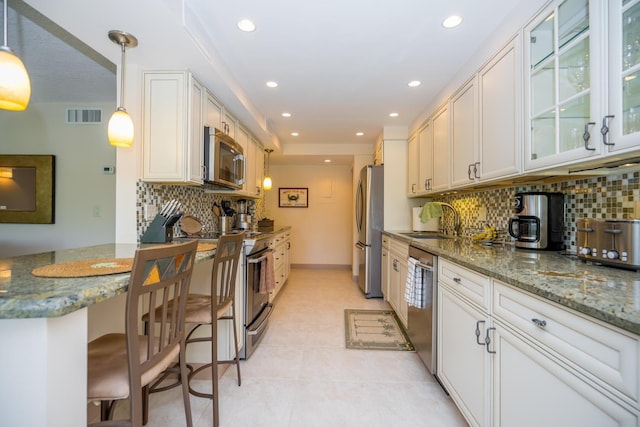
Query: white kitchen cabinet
[441, 150]
[624, 75]
[173, 132]
[425, 158]
[259, 155]
[500, 121]
[399, 253]
[463, 362]
[509, 358]
[413, 165]
[384, 267]
[213, 113]
[229, 124]
[464, 134]
[281, 245]
[582, 59]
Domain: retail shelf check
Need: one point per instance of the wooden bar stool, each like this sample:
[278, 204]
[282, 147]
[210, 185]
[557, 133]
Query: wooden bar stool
[120, 365]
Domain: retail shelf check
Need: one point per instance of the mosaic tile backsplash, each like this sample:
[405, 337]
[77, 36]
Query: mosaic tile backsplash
[608, 197]
[195, 201]
[611, 196]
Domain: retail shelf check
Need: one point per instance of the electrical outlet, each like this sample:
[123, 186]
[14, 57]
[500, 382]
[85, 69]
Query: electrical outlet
[482, 213]
[150, 211]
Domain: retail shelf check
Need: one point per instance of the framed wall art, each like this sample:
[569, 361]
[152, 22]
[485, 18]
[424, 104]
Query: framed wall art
[293, 197]
[27, 189]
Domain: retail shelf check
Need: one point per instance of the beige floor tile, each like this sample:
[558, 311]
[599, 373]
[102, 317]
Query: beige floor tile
[302, 375]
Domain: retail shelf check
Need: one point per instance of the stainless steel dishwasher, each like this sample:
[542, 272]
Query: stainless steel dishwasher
[422, 321]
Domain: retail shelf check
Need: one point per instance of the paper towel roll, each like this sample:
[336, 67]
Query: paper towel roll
[431, 225]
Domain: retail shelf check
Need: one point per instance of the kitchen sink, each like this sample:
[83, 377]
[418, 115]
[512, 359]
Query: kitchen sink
[426, 235]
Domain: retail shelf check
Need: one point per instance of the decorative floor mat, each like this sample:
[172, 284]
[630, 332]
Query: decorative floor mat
[375, 330]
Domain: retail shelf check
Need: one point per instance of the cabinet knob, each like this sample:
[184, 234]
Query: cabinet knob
[457, 279]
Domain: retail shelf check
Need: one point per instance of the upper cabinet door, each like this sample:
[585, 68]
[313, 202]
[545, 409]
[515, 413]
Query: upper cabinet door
[499, 90]
[563, 89]
[464, 133]
[624, 76]
[213, 113]
[413, 157]
[195, 149]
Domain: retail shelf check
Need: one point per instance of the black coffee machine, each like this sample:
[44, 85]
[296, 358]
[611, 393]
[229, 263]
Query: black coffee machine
[539, 220]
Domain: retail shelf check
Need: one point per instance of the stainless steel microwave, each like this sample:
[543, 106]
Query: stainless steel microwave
[224, 160]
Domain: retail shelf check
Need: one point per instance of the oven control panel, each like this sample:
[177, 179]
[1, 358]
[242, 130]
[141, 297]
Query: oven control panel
[610, 242]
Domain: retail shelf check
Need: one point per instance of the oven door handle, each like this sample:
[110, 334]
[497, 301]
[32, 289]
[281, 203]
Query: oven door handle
[258, 329]
[259, 259]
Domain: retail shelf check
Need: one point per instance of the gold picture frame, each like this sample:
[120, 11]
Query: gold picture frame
[27, 189]
[293, 197]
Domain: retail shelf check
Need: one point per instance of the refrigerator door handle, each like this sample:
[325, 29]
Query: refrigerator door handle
[360, 246]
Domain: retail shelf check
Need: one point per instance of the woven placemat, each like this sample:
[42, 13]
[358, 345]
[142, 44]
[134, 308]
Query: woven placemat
[85, 268]
[206, 246]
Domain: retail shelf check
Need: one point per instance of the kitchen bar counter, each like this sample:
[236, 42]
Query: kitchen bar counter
[44, 333]
[605, 293]
[23, 295]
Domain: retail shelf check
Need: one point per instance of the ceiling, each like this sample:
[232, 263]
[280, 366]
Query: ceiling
[342, 66]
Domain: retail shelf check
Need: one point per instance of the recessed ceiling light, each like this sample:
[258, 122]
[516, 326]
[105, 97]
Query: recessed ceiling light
[327, 160]
[359, 133]
[285, 114]
[246, 25]
[295, 134]
[272, 84]
[452, 21]
[393, 114]
[414, 83]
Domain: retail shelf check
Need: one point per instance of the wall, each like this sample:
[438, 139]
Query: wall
[84, 195]
[322, 233]
[613, 196]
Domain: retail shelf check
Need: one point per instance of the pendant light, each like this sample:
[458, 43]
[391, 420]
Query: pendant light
[15, 86]
[120, 128]
[266, 183]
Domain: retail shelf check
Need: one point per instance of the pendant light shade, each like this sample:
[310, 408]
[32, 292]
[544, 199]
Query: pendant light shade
[120, 128]
[15, 86]
[266, 183]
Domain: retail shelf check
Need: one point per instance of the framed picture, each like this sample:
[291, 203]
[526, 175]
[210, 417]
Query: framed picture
[293, 197]
[27, 189]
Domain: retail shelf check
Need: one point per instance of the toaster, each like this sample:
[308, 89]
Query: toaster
[614, 242]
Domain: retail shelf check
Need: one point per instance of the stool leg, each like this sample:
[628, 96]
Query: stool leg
[214, 373]
[235, 340]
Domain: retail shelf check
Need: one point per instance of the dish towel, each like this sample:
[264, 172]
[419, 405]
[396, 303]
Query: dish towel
[414, 288]
[429, 211]
[267, 274]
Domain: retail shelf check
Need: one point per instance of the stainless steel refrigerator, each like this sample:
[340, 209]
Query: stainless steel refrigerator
[369, 223]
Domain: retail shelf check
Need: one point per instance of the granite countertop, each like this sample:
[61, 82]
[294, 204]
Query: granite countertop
[23, 295]
[605, 293]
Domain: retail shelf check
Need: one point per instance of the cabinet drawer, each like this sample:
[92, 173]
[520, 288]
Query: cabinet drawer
[603, 353]
[400, 247]
[470, 284]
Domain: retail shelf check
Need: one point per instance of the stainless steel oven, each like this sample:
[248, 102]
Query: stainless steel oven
[257, 308]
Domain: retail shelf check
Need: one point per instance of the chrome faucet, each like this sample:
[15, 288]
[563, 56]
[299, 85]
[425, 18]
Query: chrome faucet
[456, 218]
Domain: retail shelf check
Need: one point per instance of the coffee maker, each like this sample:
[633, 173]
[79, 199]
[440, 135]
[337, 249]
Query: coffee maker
[539, 220]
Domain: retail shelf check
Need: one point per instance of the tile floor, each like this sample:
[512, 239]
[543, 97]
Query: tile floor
[302, 374]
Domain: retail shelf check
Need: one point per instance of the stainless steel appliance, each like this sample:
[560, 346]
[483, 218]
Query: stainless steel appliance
[243, 219]
[422, 321]
[223, 160]
[614, 242]
[539, 220]
[257, 308]
[369, 223]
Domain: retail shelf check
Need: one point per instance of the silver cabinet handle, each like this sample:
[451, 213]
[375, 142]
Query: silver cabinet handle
[395, 264]
[413, 188]
[478, 332]
[586, 136]
[605, 129]
[475, 169]
[469, 171]
[457, 279]
[487, 340]
[539, 323]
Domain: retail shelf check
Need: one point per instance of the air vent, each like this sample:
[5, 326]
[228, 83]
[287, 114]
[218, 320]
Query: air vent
[77, 116]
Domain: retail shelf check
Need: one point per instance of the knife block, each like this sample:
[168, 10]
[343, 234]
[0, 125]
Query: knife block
[160, 230]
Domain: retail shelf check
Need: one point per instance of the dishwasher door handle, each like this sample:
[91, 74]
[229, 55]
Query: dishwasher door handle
[424, 266]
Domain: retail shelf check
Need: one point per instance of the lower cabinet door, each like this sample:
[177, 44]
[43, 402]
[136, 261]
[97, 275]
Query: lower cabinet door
[533, 389]
[463, 364]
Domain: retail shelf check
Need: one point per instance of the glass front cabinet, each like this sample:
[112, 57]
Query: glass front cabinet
[581, 61]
